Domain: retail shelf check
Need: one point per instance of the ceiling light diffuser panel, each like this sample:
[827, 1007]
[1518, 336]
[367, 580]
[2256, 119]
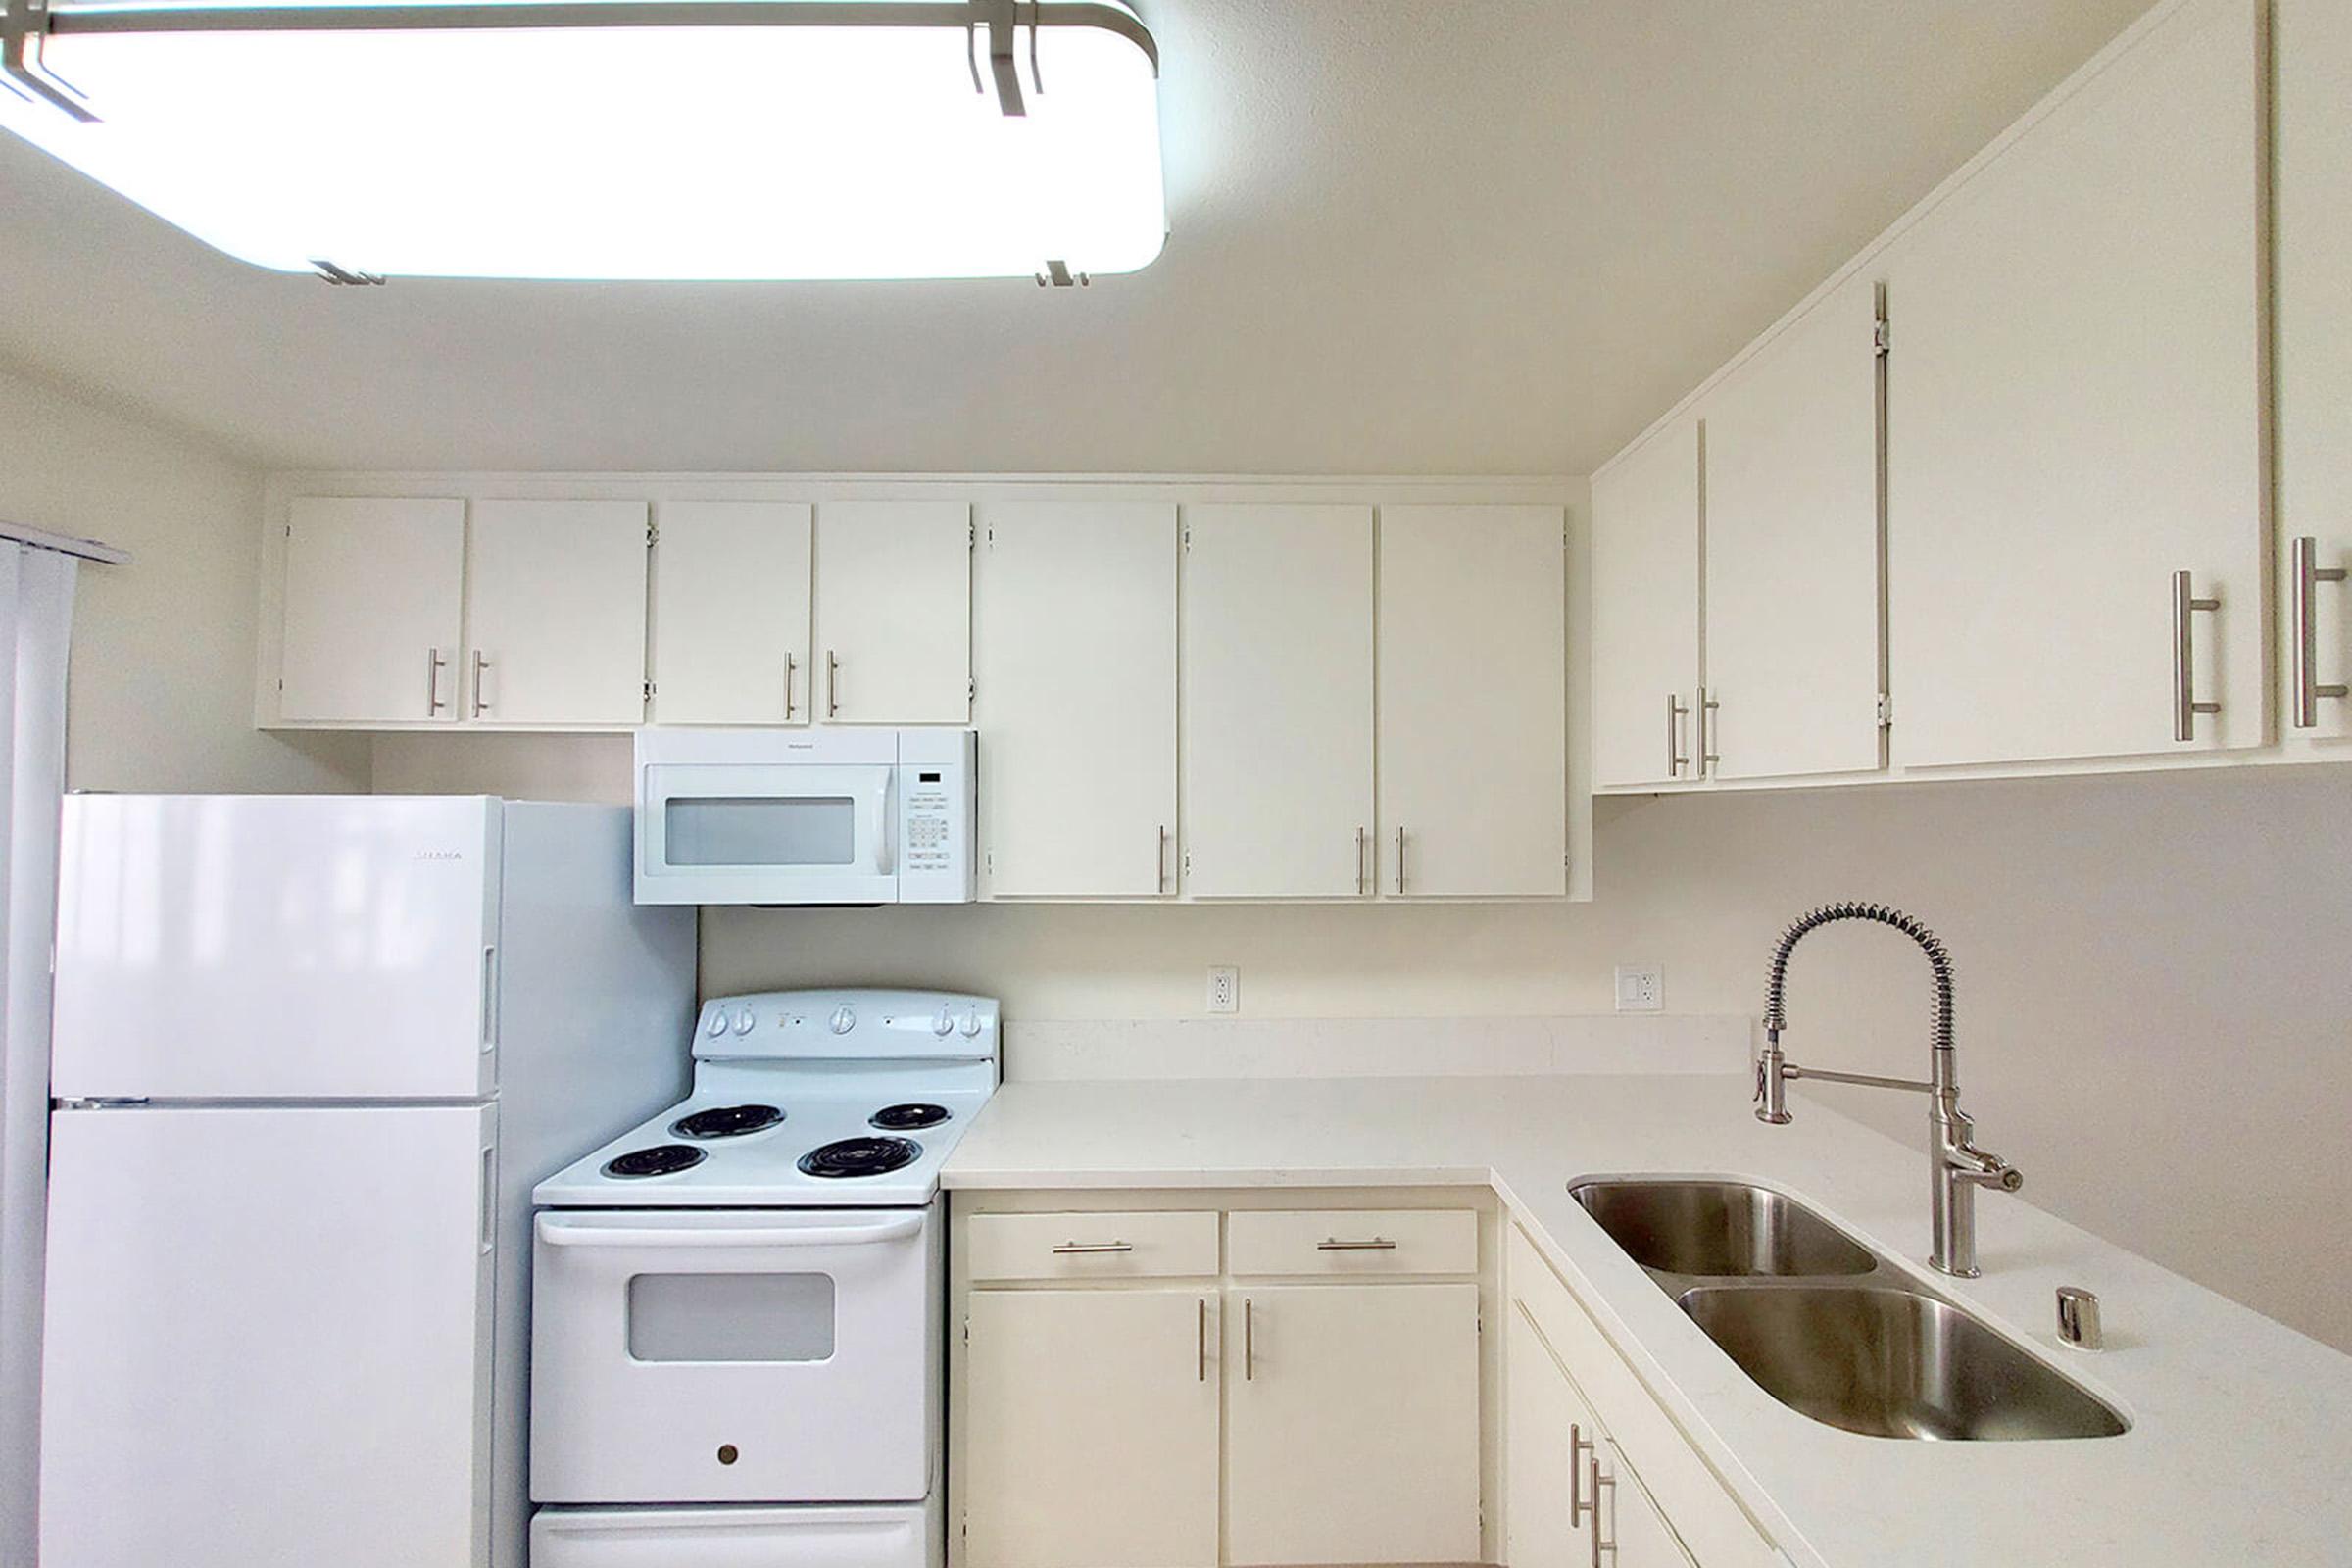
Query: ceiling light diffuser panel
[617, 138]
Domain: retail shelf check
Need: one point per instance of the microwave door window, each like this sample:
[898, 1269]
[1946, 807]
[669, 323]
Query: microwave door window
[731, 1317]
[812, 830]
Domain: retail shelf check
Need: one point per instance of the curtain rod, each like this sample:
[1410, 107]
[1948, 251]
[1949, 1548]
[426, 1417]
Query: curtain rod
[63, 544]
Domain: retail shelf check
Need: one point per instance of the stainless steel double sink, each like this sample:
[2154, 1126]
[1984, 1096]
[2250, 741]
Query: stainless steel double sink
[1827, 1326]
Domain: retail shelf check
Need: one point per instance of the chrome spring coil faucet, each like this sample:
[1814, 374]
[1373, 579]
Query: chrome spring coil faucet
[1958, 1167]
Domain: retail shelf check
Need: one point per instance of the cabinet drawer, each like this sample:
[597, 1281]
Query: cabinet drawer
[1091, 1246]
[1354, 1242]
[1713, 1526]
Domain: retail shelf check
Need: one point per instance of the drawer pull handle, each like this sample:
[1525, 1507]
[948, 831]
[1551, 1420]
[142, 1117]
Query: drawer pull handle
[1071, 1249]
[1378, 1244]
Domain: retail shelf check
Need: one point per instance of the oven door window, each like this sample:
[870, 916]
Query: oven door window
[812, 830]
[731, 1317]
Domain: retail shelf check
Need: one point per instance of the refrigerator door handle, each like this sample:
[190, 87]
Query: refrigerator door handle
[489, 1000]
[489, 1198]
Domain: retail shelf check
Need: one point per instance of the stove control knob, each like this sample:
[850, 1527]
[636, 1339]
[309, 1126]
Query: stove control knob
[718, 1022]
[743, 1023]
[971, 1024]
[845, 1019]
[942, 1024]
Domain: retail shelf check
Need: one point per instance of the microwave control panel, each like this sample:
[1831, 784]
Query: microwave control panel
[935, 818]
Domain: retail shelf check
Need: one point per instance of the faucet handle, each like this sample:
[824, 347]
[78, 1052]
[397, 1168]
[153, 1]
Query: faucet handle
[2079, 1317]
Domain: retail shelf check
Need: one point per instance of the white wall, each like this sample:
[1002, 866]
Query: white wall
[162, 679]
[2155, 1010]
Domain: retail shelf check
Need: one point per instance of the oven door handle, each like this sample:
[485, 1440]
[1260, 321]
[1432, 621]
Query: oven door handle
[896, 1230]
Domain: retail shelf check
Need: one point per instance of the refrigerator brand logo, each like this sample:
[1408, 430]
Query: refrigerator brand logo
[438, 855]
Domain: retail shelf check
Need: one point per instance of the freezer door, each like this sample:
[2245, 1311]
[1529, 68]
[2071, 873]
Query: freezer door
[319, 946]
[267, 1337]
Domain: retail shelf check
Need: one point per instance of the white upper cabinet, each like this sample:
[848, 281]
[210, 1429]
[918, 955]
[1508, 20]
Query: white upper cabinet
[373, 601]
[1074, 655]
[1278, 701]
[2075, 417]
[1645, 638]
[894, 611]
[555, 607]
[1791, 548]
[730, 627]
[1471, 679]
[2312, 228]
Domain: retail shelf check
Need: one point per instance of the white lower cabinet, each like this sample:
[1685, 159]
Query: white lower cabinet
[1096, 1444]
[1352, 1424]
[1124, 1395]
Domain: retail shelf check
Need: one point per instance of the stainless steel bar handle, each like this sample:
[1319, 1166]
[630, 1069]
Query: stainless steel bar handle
[2306, 575]
[788, 665]
[434, 664]
[1201, 1353]
[1675, 711]
[481, 704]
[1363, 839]
[1401, 862]
[1075, 1248]
[1578, 1443]
[1708, 738]
[1160, 876]
[2185, 706]
[1596, 1482]
[1248, 1340]
[1378, 1244]
[832, 685]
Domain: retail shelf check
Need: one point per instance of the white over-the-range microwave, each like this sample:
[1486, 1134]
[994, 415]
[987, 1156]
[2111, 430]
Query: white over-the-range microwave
[804, 817]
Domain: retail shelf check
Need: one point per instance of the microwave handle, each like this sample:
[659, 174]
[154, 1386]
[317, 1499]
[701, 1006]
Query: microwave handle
[896, 1230]
[886, 859]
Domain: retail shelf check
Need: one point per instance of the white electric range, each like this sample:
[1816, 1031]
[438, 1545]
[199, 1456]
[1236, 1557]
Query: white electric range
[738, 1308]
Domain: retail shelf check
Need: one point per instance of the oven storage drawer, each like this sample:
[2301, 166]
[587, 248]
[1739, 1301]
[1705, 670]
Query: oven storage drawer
[1353, 1242]
[1091, 1246]
[735, 1357]
[901, 1535]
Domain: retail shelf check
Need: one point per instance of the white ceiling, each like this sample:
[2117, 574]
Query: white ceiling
[1408, 236]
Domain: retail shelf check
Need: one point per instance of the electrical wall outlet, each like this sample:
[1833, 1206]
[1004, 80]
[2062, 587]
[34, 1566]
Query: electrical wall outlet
[1640, 987]
[1224, 989]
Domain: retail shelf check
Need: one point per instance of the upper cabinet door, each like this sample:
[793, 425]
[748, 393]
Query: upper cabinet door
[894, 611]
[375, 595]
[730, 631]
[1791, 547]
[1645, 612]
[1472, 678]
[2312, 42]
[1074, 654]
[1278, 701]
[555, 605]
[2075, 417]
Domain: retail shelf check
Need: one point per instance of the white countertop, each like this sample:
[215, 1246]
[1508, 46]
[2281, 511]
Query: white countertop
[2241, 1446]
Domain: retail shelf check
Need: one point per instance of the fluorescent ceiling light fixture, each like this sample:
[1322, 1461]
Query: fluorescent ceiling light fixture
[613, 138]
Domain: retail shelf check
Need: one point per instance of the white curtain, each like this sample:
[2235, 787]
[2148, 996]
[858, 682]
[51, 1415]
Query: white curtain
[36, 615]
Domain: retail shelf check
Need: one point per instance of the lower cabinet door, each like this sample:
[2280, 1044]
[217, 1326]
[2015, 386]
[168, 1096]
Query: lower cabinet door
[1094, 1415]
[1548, 1436]
[1631, 1523]
[1353, 1428]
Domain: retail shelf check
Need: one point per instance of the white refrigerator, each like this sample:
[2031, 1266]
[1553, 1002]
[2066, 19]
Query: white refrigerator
[310, 1055]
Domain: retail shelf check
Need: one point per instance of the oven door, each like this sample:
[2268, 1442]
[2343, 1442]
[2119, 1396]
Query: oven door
[735, 1355]
[784, 833]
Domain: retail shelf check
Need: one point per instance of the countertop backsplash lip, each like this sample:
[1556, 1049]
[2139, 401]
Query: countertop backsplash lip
[1052, 1051]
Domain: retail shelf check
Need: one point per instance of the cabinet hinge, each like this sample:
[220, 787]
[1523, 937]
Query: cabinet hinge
[1885, 709]
[1882, 337]
[967, 1331]
[649, 691]
[1188, 538]
[988, 859]
[971, 533]
[653, 534]
[971, 690]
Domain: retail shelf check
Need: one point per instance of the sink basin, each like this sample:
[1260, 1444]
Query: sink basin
[1718, 1229]
[1893, 1363]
